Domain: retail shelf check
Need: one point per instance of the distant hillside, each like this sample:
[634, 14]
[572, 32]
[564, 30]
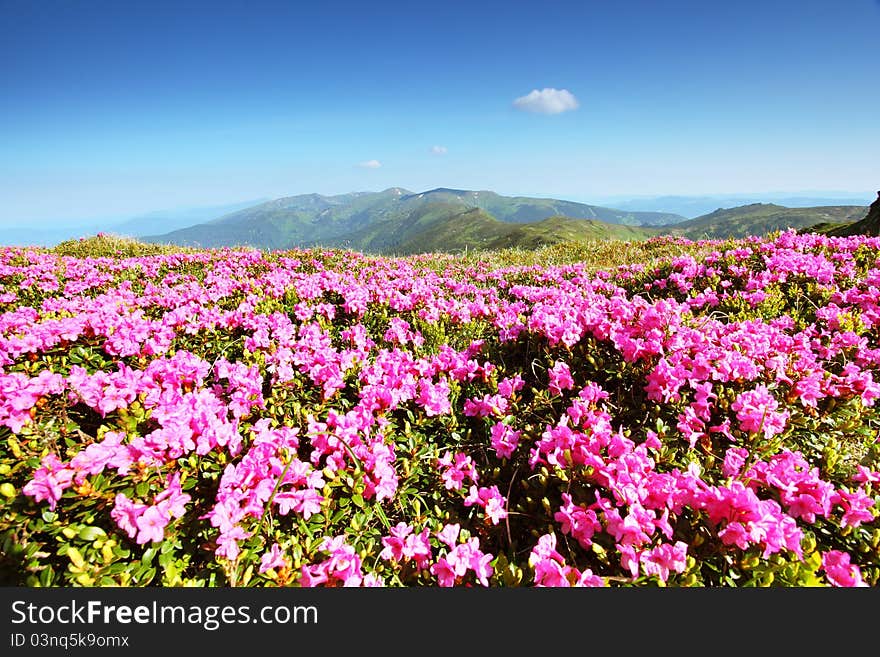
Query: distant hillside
[556, 230]
[521, 209]
[868, 225]
[367, 218]
[445, 227]
[762, 218]
[163, 221]
[697, 206]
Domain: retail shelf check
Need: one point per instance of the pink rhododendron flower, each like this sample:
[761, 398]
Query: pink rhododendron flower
[151, 525]
[551, 569]
[273, 559]
[734, 460]
[434, 397]
[504, 440]
[49, 481]
[491, 500]
[664, 558]
[560, 378]
[757, 411]
[839, 570]
[126, 513]
[405, 544]
[857, 507]
[449, 535]
[455, 470]
[508, 386]
[577, 522]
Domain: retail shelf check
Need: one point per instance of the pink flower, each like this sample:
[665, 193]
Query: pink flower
[273, 559]
[664, 558]
[510, 385]
[490, 499]
[315, 575]
[151, 525]
[404, 544]
[857, 507]
[560, 378]
[434, 397]
[456, 469]
[449, 535]
[551, 570]
[480, 564]
[504, 440]
[756, 411]
[172, 501]
[126, 513]
[444, 572]
[864, 475]
[734, 459]
[227, 543]
[50, 480]
[489, 405]
[839, 570]
[577, 522]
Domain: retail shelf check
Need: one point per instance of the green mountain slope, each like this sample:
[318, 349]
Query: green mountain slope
[432, 227]
[358, 218]
[438, 227]
[868, 225]
[520, 209]
[555, 230]
[760, 219]
[290, 221]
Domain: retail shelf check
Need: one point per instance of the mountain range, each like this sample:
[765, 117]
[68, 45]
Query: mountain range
[398, 221]
[697, 206]
[763, 218]
[51, 232]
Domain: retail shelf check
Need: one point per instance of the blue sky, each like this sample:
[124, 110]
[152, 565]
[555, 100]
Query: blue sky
[114, 108]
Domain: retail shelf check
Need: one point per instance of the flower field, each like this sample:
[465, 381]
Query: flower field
[707, 417]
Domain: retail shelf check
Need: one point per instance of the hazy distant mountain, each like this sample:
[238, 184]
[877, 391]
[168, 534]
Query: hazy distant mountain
[46, 233]
[163, 221]
[696, 206]
[762, 218]
[361, 219]
[50, 233]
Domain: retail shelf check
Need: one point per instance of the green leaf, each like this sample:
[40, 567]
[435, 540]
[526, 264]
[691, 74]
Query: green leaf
[75, 557]
[91, 533]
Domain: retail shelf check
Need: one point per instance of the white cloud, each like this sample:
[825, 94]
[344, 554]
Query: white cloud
[370, 164]
[547, 101]
[439, 150]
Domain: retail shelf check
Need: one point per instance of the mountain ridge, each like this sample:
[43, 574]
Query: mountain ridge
[305, 219]
[399, 221]
[756, 219]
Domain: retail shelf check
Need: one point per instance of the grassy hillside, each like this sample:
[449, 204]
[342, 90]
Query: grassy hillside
[559, 230]
[432, 227]
[761, 219]
[868, 225]
[437, 228]
[362, 219]
[290, 221]
[521, 209]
